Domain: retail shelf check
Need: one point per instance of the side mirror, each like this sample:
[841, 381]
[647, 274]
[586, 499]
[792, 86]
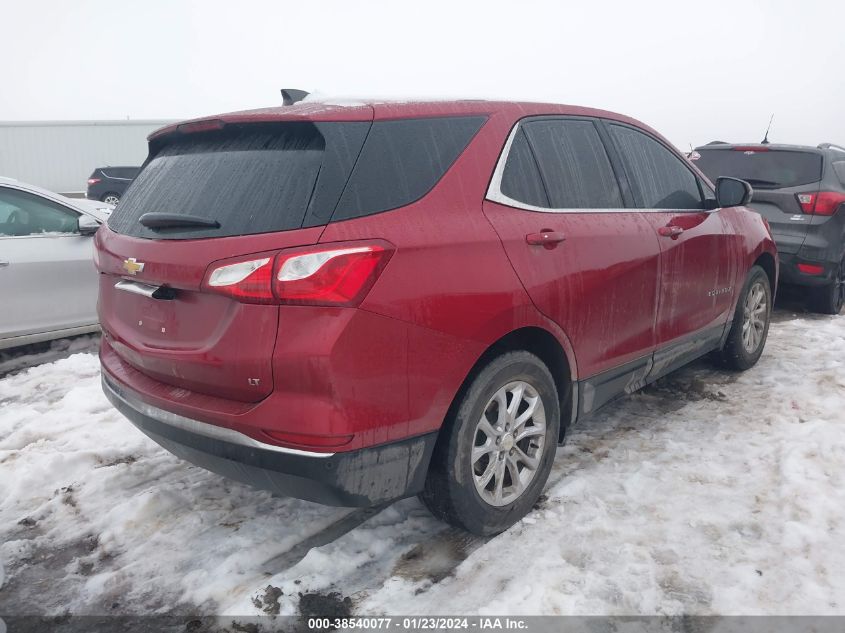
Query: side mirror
[88, 225]
[732, 192]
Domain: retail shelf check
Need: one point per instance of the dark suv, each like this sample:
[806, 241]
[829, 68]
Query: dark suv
[108, 183]
[801, 192]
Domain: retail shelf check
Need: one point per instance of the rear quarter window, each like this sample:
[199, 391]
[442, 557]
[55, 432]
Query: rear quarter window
[839, 170]
[402, 160]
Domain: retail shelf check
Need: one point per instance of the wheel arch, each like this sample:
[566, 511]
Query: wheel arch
[547, 348]
[767, 262]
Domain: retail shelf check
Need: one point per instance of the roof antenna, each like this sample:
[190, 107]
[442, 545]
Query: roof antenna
[292, 95]
[765, 140]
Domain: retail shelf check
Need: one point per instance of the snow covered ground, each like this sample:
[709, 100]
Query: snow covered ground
[707, 493]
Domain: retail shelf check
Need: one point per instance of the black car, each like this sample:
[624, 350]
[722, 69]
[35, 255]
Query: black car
[108, 183]
[800, 190]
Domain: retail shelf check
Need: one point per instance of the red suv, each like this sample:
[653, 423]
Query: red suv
[353, 304]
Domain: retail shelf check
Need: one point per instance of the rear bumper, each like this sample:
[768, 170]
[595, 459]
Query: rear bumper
[790, 274]
[94, 192]
[358, 478]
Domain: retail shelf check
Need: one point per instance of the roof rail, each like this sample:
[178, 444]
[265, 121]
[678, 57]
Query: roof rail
[292, 95]
[830, 146]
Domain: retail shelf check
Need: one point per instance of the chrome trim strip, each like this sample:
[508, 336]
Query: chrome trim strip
[199, 428]
[136, 288]
[18, 339]
[494, 191]
[41, 236]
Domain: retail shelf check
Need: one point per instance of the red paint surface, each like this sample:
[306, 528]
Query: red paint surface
[462, 276]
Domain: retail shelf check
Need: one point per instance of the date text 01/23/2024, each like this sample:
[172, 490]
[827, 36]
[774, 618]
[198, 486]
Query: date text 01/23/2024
[416, 623]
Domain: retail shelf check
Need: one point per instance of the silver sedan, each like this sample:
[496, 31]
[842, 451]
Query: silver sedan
[48, 284]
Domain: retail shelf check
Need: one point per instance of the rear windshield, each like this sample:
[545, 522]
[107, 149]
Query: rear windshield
[769, 169]
[249, 181]
[262, 179]
[121, 172]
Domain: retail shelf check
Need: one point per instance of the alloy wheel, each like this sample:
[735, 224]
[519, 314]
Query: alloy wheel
[111, 199]
[508, 443]
[755, 315]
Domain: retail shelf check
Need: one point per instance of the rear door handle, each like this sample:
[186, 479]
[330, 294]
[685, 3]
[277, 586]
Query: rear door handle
[670, 231]
[2, 264]
[546, 238]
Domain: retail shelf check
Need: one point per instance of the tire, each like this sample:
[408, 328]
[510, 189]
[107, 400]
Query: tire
[110, 198]
[829, 299]
[453, 490]
[752, 309]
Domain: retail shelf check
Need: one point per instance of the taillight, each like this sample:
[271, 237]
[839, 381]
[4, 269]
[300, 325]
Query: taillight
[331, 275]
[339, 276]
[247, 281]
[94, 181]
[821, 203]
[828, 202]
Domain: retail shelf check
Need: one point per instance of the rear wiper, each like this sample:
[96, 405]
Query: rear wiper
[176, 220]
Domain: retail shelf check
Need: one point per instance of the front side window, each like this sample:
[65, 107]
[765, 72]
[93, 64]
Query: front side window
[658, 178]
[573, 164]
[23, 214]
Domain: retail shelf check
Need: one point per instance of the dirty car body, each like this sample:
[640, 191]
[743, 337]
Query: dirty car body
[315, 337]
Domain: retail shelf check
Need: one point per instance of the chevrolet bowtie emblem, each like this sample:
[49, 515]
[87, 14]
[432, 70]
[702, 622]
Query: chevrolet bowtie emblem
[133, 266]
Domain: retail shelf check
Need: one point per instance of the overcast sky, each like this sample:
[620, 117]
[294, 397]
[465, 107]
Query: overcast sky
[696, 71]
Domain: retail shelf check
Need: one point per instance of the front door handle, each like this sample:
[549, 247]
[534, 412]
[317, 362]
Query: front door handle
[546, 238]
[2, 264]
[670, 231]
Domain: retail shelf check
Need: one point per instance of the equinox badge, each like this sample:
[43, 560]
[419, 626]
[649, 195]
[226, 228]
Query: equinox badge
[133, 266]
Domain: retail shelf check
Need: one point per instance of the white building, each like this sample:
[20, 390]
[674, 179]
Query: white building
[60, 155]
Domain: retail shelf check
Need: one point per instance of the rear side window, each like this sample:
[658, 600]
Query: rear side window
[573, 164]
[402, 160]
[763, 169]
[520, 179]
[248, 180]
[659, 179]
